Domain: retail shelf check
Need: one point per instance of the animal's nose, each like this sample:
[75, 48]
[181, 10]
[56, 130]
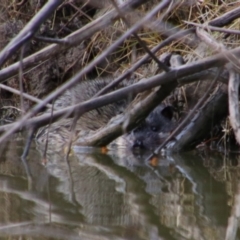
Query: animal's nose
[138, 144]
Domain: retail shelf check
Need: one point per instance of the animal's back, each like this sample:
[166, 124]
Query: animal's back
[59, 131]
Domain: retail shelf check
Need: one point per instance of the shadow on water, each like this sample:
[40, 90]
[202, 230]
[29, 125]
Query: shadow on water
[117, 196]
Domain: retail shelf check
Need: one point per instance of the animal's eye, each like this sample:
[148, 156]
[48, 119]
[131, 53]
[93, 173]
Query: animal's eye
[154, 128]
[138, 129]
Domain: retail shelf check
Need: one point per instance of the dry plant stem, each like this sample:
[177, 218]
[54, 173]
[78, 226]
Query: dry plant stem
[24, 156]
[210, 41]
[25, 95]
[226, 18]
[11, 107]
[233, 220]
[204, 75]
[50, 40]
[167, 29]
[177, 36]
[78, 76]
[79, 11]
[24, 160]
[218, 47]
[29, 30]
[160, 79]
[234, 116]
[72, 133]
[20, 77]
[143, 45]
[71, 40]
[28, 144]
[208, 27]
[186, 119]
[46, 143]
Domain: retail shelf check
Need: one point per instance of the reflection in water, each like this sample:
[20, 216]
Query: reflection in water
[118, 196]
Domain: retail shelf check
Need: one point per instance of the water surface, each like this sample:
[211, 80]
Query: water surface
[117, 195]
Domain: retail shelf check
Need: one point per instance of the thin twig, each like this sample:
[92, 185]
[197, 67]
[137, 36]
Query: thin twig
[50, 40]
[144, 46]
[226, 18]
[25, 95]
[11, 107]
[209, 27]
[20, 78]
[24, 156]
[29, 30]
[233, 92]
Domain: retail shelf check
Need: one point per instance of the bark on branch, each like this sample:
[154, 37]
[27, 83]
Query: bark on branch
[233, 92]
[29, 30]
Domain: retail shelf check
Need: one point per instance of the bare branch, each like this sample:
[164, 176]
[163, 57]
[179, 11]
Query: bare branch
[25, 95]
[160, 64]
[226, 18]
[29, 30]
[233, 92]
[218, 29]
